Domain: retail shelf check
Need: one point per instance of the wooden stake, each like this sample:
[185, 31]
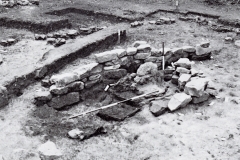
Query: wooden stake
[163, 60]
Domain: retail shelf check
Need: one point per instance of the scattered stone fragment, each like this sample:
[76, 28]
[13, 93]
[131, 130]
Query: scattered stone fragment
[142, 56]
[58, 90]
[182, 70]
[72, 33]
[36, 2]
[4, 43]
[11, 41]
[65, 100]
[228, 39]
[144, 48]
[158, 107]
[136, 24]
[131, 51]
[46, 82]
[51, 41]
[43, 96]
[85, 31]
[40, 37]
[183, 62]
[59, 42]
[196, 87]
[183, 79]
[76, 134]
[49, 151]
[179, 100]
[3, 96]
[118, 113]
[115, 74]
[138, 43]
[237, 43]
[147, 68]
[106, 56]
[200, 99]
[152, 22]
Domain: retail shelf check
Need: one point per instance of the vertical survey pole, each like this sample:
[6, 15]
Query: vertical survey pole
[119, 36]
[177, 4]
[163, 58]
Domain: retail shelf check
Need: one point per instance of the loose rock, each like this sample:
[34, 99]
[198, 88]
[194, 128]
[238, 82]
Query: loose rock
[179, 100]
[200, 99]
[65, 100]
[196, 87]
[76, 134]
[144, 48]
[49, 151]
[3, 96]
[183, 79]
[106, 56]
[58, 90]
[43, 96]
[158, 107]
[115, 74]
[142, 56]
[131, 51]
[183, 62]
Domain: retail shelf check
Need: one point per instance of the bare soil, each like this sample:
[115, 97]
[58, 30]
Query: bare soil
[198, 132]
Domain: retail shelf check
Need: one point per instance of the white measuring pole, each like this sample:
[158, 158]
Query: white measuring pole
[163, 59]
[119, 36]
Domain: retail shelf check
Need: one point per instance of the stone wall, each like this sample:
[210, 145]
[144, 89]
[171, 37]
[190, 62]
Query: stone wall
[64, 89]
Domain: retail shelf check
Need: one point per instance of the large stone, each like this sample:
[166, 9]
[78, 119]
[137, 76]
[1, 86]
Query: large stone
[95, 77]
[200, 99]
[151, 59]
[182, 70]
[156, 52]
[126, 61]
[40, 73]
[64, 79]
[23, 154]
[87, 70]
[138, 43]
[106, 56]
[147, 68]
[196, 87]
[189, 49]
[58, 90]
[3, 96]
[158, 107]
[115, 74]
[144, 48]
[76, 134]
[202, 53]
[142, 56]
[179, 100]
[237, 43]
[75, 86]
[65, 100]
[120, 52]
[49, 151]
[118, 113]
[183, 62]
[194, 72]
[131, 51]
[183, 79]
[43, 96]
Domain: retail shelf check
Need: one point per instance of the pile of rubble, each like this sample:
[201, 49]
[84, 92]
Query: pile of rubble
[8, 42]
[12, 3]
[59, 38]
[160, 21]
[141, 61]
[213, 25]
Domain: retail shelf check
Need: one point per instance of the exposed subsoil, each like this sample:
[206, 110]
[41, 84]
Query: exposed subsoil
[199, 132]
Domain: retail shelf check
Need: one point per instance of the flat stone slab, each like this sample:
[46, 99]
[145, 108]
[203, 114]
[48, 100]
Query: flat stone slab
[118, 113]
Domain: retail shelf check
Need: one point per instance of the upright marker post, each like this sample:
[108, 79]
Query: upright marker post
[163, 60]
[119, 36]
[177, 5]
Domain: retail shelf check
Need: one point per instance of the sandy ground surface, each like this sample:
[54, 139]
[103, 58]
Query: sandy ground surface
[199, 132]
